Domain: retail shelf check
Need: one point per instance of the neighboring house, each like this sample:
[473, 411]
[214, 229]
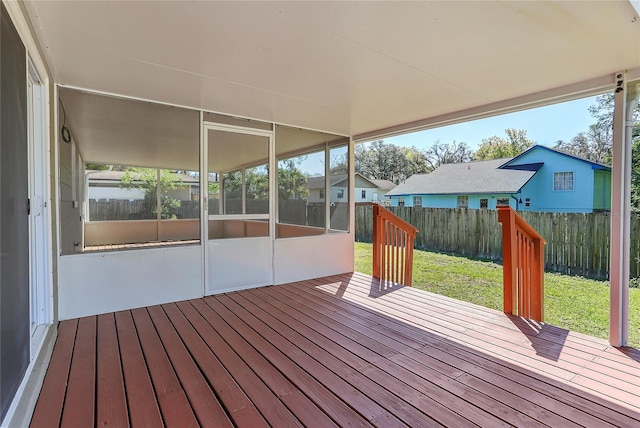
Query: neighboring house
[540, 179]
[108, 185]
[366, 189]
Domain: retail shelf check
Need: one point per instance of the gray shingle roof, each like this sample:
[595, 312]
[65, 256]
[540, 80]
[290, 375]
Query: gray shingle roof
[465, 178]
[383, 184]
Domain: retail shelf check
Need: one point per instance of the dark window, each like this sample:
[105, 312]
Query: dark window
[484, 203]
[364, 194]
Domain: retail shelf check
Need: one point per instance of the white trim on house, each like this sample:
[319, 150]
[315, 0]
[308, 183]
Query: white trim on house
[621, 212]
[574, 91]
[41, 343]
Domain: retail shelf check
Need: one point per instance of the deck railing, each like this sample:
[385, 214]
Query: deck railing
[392, 247]
[523, 265]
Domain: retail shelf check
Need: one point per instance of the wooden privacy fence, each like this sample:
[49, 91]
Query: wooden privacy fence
[523, 266]
[393, 240]
[577, 244]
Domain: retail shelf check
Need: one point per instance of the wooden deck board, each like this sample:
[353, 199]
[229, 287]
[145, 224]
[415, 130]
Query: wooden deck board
[79, 409]
[111, 409]
[48, 411]
[344, 350]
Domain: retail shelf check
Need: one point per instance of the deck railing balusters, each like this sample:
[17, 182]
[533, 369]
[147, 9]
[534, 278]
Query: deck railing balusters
[392, 247]
[523, 265]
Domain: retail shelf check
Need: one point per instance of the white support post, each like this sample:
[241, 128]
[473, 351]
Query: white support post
[620, 213]
[243, 196]
[158, 204]
[327, 188]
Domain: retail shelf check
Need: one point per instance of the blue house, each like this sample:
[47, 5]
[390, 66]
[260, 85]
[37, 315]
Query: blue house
[540, 179]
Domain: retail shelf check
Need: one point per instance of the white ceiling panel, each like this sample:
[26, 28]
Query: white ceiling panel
[341, 67]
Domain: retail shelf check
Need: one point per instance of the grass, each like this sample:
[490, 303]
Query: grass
[571, 302]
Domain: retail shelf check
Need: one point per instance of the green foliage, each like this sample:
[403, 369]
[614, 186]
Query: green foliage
[497, 147]
[96, 167]
[256, 183]
[596, 143]
[384, 161]
[147, 179]
[571, 302]
[292, 183]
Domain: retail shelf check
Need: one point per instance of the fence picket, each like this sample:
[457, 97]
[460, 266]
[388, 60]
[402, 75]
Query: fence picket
[577, 243]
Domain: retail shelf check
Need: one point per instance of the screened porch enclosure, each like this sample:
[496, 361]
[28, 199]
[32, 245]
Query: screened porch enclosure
[173, 203]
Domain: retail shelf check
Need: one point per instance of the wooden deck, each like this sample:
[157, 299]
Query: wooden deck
[333, 351]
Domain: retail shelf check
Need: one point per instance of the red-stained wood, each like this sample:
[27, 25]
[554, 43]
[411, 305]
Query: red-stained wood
[322, 397]
[79, 409]
[239, 407]
[392, 247]
[141, 399]
[206, 406]
[271, 408]
[285, 390]
[111, 400]
[523, 266]
[174, 406]
[346, 350]
[425, 390]
[48, 411]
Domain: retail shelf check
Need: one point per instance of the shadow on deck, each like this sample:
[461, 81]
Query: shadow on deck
[342, 350]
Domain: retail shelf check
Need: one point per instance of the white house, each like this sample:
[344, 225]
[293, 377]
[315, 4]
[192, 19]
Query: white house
[366, 189]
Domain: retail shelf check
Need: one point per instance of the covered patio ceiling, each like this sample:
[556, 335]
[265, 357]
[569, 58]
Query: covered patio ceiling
[350, 68]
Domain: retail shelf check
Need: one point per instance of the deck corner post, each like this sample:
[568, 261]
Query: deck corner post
[506, 218]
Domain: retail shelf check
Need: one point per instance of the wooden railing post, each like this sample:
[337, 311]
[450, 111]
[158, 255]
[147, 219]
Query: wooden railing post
[509, 258]
[523, 266]
[376, 242]
[393, 240]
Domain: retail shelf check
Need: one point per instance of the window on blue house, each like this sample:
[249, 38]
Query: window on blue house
[417, 201]
[463, 201]
[401, 201]
[563, 181]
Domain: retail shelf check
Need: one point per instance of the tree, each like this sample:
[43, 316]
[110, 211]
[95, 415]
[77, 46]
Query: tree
[96, 167]
[385, 161]
[147, 179]
[292, 183]
[443, 153]
[596, 143]
[497, 147]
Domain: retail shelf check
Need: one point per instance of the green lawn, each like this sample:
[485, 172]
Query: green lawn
[571, 302]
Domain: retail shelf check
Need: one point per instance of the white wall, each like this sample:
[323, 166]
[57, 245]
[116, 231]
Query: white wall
[115, 193]
[96, 283]
[297, 259]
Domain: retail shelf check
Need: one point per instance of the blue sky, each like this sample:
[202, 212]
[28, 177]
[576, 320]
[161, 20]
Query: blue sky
[544, 125]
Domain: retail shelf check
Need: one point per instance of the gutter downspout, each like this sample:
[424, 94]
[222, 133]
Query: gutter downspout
[517, 203]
